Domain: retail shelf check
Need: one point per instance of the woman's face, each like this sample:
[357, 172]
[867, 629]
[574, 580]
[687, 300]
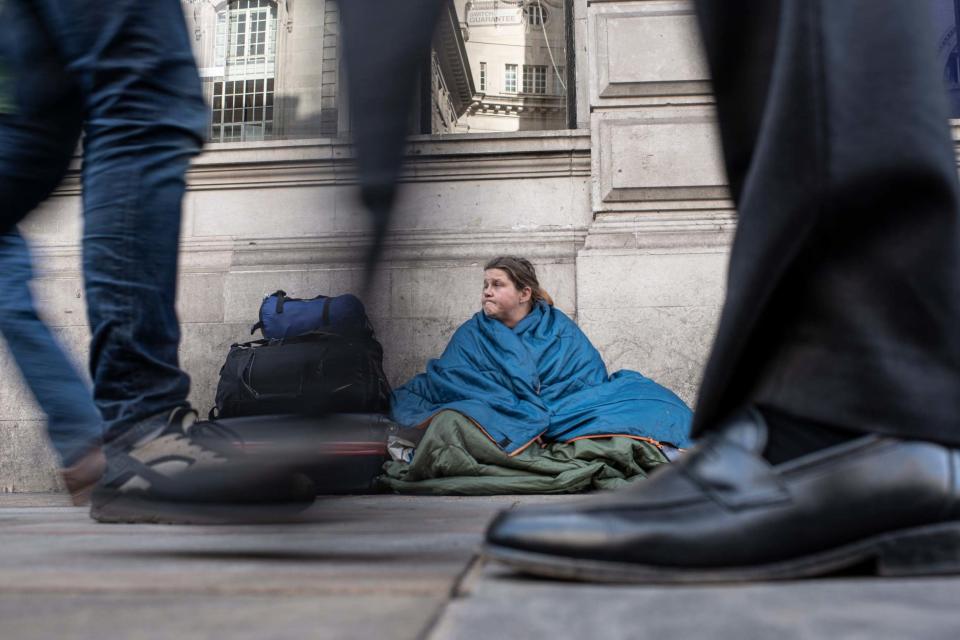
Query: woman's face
[501, 298]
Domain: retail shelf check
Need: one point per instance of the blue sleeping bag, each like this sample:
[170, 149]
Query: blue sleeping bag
[541, 378]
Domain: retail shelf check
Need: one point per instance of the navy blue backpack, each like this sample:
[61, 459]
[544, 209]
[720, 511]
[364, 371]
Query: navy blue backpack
[282, 317]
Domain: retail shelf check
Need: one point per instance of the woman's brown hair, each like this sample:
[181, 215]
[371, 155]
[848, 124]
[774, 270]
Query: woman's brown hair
[522, 274]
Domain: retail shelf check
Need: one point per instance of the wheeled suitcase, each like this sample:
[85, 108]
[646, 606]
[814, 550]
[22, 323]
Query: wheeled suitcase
[341, 452]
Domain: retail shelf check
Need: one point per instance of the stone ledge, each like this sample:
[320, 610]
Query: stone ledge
[618, 233]
[326, 161]
[348, 249]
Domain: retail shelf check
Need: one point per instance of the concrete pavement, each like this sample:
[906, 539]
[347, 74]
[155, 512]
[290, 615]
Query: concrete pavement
[391, 567]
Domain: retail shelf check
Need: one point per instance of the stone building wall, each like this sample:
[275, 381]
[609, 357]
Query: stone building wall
[626, 218]
[650, 275]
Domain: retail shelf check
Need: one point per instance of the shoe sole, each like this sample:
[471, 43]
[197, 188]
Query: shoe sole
[922, 551]
[131, 510]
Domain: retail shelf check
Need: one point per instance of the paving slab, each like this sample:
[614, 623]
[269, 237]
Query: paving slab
[393, 567]
[187, 617]
[498, 604]
[354, 566]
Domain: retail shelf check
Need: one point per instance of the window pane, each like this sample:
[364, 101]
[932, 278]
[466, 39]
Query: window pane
[242, 89]
[536, 13]
[539, 79]
[510, 78]
[516, 53]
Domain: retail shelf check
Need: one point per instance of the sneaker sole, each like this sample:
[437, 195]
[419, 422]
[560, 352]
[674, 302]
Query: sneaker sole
[922, 551]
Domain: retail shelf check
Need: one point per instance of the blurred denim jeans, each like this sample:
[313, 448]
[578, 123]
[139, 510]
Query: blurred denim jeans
[122, 74]
[73, 421]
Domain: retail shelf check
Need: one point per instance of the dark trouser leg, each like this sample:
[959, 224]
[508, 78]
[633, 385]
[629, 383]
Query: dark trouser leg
[843, 298]
[386, 46]
[37, 137]
[145, 117]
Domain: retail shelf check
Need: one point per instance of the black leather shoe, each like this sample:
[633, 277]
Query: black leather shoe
[722, 513]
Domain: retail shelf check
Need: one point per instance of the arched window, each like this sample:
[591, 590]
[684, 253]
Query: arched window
[246, 46]
[535, 13]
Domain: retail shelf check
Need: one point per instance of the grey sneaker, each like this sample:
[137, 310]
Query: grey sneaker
[189, 472]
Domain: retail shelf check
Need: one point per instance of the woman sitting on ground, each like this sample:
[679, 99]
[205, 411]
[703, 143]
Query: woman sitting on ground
[521, 370]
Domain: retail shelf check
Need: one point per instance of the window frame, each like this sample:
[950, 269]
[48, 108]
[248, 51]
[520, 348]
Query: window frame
[261, 99]
[534, 78]
[507, 68]
[535, 15]
[247, 16]
[242, 102]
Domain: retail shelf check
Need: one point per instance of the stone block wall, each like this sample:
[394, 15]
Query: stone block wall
[650, 274]
[284, 215]
[627, 219]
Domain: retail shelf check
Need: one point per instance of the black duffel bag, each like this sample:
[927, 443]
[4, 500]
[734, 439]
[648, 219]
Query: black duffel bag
[315, 373]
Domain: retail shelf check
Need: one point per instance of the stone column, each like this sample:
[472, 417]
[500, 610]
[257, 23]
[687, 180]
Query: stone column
[650, 275]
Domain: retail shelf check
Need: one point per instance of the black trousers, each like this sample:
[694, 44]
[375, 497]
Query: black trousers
[843, 299]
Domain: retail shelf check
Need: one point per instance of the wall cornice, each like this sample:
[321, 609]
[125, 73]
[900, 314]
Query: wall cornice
[412, 247]
[428, 159]
[348, 249]
[285, 163]
[685, 232]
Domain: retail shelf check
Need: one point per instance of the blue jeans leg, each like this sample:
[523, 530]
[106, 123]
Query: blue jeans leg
[73, 422]
[145, 118]
[38, 134]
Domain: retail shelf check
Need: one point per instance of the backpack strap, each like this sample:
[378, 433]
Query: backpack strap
[281, 298]
[325, 315]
